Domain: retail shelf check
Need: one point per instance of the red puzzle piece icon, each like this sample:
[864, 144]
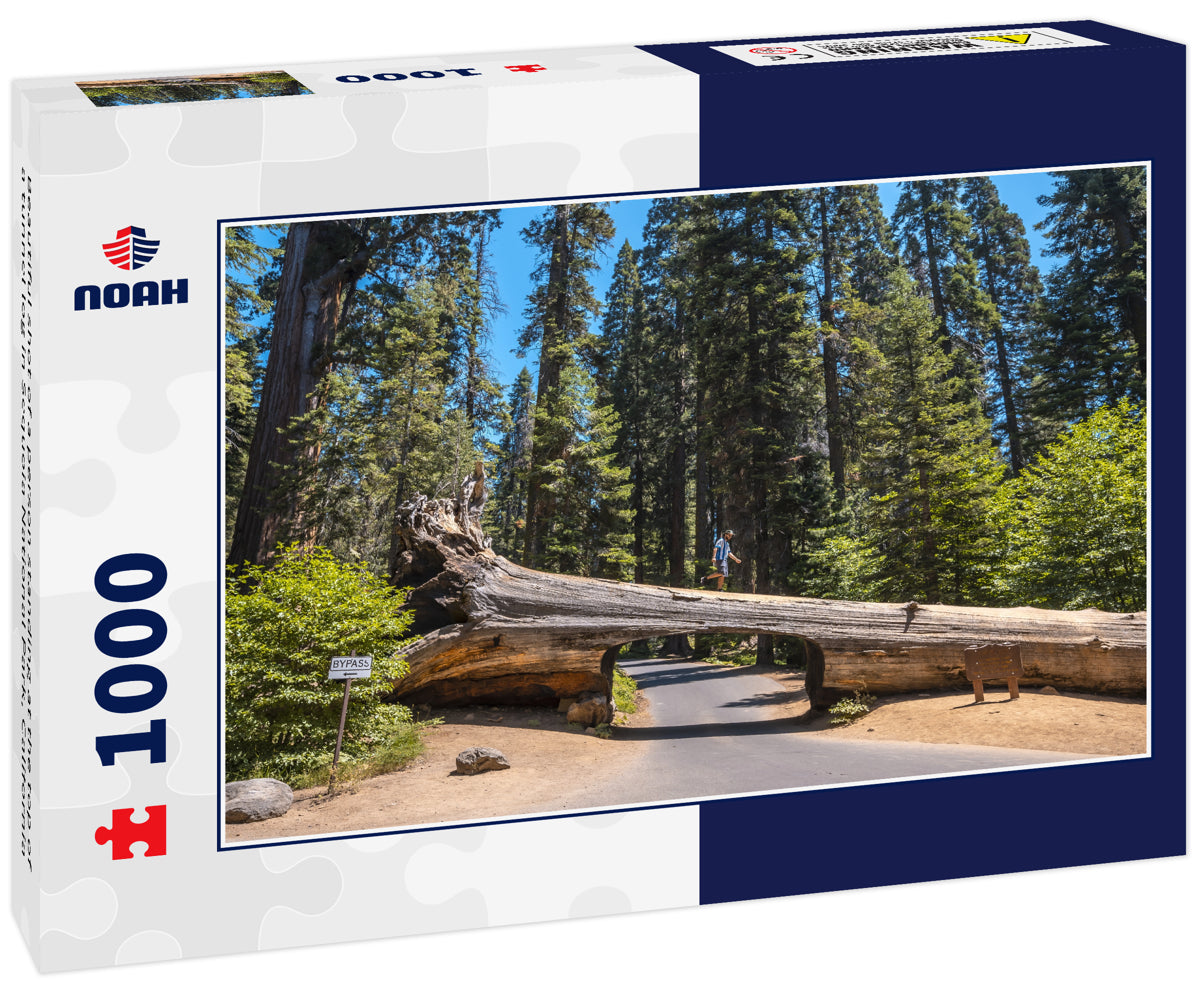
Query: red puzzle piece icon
[124, 832]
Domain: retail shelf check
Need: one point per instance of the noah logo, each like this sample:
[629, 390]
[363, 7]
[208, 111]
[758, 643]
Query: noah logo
[131, 250]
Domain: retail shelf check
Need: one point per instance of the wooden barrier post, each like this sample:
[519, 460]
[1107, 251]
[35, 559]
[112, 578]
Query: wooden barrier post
[994, 661]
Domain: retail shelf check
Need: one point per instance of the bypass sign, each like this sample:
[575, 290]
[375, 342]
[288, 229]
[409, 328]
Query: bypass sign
[351, 667]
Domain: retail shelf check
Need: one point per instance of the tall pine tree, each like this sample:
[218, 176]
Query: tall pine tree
[1091, 349]
[505, 516]
[930, 468]
[568, 239]
[625, 340]
[1012, 283]
[934, 233]
[855, 254]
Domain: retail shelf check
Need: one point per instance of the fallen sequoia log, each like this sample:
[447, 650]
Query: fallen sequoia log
[493, 631]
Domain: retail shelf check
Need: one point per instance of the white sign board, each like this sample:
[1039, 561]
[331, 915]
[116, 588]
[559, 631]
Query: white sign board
[956, 43]
[356, 667]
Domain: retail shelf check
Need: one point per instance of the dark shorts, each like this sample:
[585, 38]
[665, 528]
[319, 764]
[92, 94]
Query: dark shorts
[723, 567]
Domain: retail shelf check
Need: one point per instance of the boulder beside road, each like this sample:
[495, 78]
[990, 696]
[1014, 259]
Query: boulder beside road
[256, 800]
[476, 760]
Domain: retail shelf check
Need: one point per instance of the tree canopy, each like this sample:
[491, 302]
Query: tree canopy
[886, 408]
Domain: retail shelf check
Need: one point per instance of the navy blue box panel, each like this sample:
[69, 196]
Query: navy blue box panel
[701, 57]
[945, 115]
[966, 826]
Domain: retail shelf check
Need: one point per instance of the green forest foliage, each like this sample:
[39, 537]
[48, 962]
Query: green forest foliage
[929, 464]
[880, 409]
[1073, 524]
[283, 625]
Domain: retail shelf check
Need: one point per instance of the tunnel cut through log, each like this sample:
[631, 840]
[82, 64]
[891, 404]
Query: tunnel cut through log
[493, 631]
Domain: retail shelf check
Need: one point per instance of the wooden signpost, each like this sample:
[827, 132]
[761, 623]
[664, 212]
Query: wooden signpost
[994, 661]
[348, 668]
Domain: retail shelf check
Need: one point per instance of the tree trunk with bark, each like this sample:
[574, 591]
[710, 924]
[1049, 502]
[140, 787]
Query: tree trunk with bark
[312, 294]
[493, 631]
[931, 255]
[540, 506]
[1003, 371]
[829, 359]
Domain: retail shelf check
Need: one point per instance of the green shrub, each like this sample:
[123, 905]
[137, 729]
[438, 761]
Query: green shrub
[283, 624]
[624, 692]
[849, 709]
[737, 649]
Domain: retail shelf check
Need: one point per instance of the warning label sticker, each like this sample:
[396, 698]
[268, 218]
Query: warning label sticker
[898, 46]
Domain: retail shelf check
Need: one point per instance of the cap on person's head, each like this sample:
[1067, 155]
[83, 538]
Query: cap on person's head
[728, 532]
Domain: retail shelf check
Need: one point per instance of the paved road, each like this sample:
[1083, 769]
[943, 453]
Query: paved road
[713, 735]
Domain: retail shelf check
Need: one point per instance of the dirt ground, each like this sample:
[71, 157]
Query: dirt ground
[566, 762]
[1063, 722]
[428, 791]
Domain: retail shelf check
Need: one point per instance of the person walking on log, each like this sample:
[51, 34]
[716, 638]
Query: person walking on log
[722, 554]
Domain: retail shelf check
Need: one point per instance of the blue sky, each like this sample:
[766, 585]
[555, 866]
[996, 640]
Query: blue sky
[514, 261]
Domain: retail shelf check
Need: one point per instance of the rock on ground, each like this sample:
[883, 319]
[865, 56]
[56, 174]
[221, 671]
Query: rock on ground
[256, 800]
[476, 760]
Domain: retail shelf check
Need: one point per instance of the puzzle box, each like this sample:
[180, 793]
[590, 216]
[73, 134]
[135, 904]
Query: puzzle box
[127, 414]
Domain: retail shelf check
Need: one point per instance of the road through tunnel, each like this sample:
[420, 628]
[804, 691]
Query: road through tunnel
[781, 654]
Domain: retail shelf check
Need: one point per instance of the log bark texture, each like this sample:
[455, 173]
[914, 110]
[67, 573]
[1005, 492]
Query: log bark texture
[493, 631]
